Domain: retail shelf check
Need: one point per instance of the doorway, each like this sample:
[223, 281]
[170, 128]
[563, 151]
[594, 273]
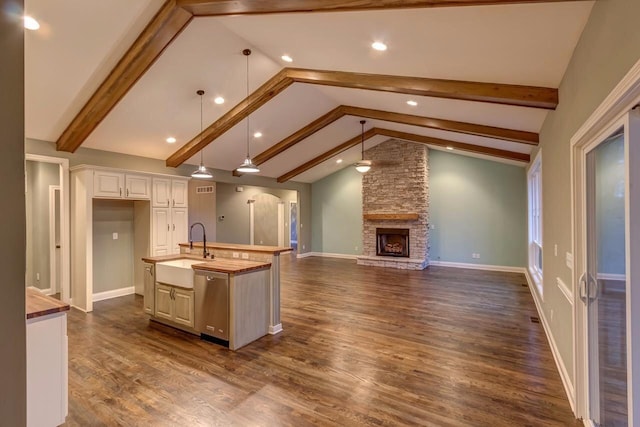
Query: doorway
[47, 223]
[608, 301]
[293, 225]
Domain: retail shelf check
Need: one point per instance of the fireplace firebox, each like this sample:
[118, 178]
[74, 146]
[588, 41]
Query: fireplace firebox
[392, 242]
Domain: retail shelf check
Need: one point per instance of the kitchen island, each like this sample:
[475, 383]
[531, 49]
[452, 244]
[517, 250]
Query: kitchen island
[225, 301]
[258, 253]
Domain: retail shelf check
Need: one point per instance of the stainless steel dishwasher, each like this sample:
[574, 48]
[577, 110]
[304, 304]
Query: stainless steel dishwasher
[212, 305]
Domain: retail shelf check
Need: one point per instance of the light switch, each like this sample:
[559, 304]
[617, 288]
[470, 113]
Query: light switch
[115, 236]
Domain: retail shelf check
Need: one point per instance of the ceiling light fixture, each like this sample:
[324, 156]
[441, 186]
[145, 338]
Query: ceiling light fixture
[412, 102]
[202, 171]
[247, 166]
[257, 135]
[449, 147]
[286, 58]
[339, 161]
[30, 23]
[363, 165]
[171, 140]
[219, 100]
[379, 46]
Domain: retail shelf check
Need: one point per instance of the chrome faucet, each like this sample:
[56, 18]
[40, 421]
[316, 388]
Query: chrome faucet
[204, 238]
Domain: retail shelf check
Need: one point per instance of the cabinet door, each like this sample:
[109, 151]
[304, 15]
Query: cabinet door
[161, 193]
[179, 228]
[184, 307]
[161, 232]
[149, 288]
[180, 193]
[164, 302]
[108, 184]
[137, 187]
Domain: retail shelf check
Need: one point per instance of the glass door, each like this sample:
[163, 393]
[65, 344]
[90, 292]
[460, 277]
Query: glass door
[604, 285]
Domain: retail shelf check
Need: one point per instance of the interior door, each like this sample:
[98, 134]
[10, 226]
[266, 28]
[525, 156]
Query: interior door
[608, 287]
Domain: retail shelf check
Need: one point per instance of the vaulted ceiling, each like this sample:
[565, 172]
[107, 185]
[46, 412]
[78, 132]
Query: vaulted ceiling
[483, 77]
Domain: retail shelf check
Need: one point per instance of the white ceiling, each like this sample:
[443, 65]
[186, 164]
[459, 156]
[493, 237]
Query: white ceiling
[68, 58]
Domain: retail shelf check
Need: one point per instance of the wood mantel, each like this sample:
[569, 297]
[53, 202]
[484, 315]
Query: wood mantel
[392, 216]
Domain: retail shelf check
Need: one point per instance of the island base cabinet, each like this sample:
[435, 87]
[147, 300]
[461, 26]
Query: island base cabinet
[175, 304]
[249, 308]
[47, 370]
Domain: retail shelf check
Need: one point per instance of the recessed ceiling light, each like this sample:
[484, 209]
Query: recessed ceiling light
[286, 58]
[171, 140]
[30, 23]
[219, 100]
[449, 147]
[379, 46]
[339, 161]
[257, 134]
[412, 102]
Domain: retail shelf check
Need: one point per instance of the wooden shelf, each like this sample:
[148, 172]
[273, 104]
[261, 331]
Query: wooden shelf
[392, 216]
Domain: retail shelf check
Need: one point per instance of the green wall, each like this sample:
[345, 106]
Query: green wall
[13, 387]
[337, 213]
[477, 206]
[608, 47]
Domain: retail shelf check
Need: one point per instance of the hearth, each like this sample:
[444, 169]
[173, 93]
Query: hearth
[393, 242]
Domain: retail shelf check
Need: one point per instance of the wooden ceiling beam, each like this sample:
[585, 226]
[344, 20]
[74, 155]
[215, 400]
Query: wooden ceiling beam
[515, 95]
[261, 96]
[327, 155]
[477, 149]
[522, 137]
[250, 7]
[472, 148]
[157, 35]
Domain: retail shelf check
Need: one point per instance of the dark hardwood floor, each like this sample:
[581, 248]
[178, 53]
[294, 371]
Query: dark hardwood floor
[360, 346]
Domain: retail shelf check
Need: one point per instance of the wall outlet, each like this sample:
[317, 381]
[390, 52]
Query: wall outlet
[433, 226]
[303, 248]
[37, 276]
[235, 255]
[115, 236]
[261, 242]
[245, 255]
[475, 256]
[356, 248]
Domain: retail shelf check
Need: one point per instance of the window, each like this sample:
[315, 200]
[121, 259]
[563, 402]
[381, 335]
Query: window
[534, 178]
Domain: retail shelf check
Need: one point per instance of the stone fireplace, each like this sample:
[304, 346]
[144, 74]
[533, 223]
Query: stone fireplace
[395, 197]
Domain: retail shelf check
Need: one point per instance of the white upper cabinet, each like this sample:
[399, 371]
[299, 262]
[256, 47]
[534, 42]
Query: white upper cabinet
[114, 185]
[170, 193]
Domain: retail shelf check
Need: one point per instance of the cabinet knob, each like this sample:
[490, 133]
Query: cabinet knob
[120, 191]
[127, 192]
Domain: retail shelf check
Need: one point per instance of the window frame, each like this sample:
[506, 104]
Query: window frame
[535, 223]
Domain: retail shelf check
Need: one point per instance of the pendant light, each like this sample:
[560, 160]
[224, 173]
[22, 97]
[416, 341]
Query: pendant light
[202, 171]
[363, 165]
[247, 166]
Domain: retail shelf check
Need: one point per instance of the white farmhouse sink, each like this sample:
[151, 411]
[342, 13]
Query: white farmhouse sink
[177, 272]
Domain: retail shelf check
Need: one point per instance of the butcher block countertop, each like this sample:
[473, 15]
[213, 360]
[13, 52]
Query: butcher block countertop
[243, 248]
[39, 304]
[220, 265]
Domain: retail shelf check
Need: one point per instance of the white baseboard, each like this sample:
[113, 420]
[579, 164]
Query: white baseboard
[327, 255]
[276, 329]
[100, 296]
[488, 267]
[562, 369]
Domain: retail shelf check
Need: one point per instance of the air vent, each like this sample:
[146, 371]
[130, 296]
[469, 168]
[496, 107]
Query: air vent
[535, 319]
[204, 190]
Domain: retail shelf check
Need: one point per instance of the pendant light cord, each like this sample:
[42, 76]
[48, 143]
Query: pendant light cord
[247, 52]
[201, 156]
[362, 122]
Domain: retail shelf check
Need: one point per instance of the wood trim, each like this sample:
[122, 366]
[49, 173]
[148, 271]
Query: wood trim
[261, 96]
[391, 216]
[157, 35]
[326, 155]
[253, 7]
[478, 149]
[494, 152]
[517, 95]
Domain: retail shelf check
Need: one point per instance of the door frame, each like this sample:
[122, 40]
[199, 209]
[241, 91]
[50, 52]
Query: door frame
[65, 292]
[614, 112]
[53, 218]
